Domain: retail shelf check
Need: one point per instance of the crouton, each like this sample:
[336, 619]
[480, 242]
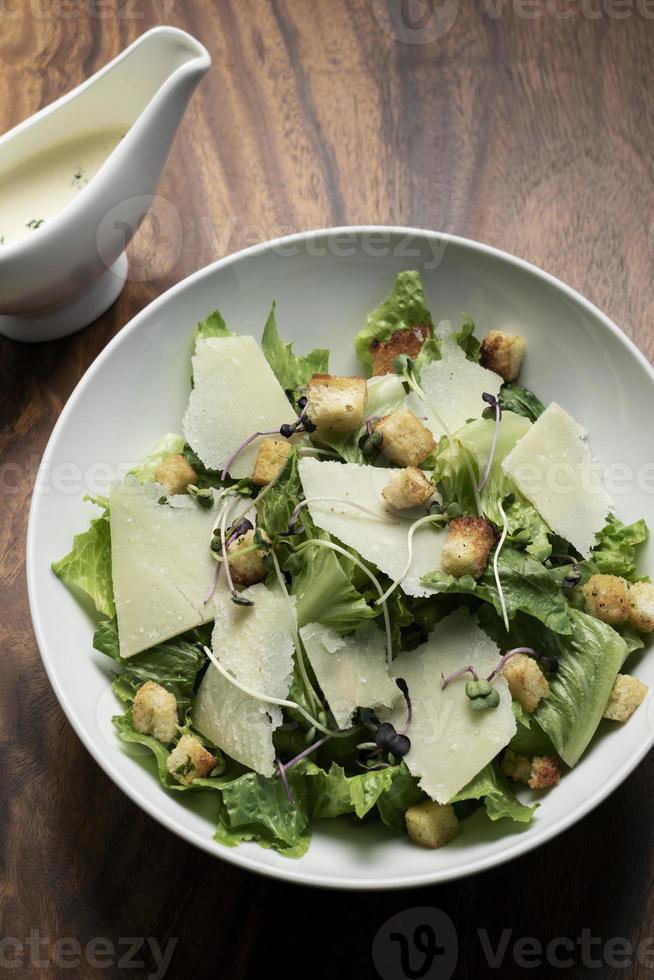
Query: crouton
[271, 460]
[336, 404]
[431, 824]
[408, 342]
[405, 440]
[468, 545]
[245, 561]
[407, 488]
[516, 767]
[628, 692]
[641, 606]
[503, 354]
[190, 760]
[526, 681]
[175, 473]
[154, 712]
[607, 598]
[545, 772]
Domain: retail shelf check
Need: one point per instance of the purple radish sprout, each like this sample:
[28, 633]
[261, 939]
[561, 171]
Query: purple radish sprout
[459, 673]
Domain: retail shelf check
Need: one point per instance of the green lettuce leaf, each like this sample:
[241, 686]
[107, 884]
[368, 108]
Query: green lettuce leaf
[256, 808]
[514, 398]
[213, 326]
[174, 664]
[393, 803]
[171, 443]
[277, 502]
[617, 546]
[333, 793]
[528, 586]
[323, 589]
[403, 308]
[465, 338]
[499, 799]
[87, 566]
[126, 731]
[529, 739]
[291, 370]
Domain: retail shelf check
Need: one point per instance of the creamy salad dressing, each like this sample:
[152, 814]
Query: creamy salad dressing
[41, 187]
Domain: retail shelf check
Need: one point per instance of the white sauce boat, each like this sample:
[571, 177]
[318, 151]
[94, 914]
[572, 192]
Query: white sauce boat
[64, 272]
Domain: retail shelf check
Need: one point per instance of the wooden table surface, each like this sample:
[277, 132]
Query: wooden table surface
[526, 125]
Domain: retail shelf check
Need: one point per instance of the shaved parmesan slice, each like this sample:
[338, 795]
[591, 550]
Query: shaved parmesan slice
[235, 394]
[255, 644]
[552, 466]
[453, 387]
[450, 740]
[382, 539]
[160, 562]
[351, 670]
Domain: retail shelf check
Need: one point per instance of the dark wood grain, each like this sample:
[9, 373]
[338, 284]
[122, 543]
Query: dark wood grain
[535, 135]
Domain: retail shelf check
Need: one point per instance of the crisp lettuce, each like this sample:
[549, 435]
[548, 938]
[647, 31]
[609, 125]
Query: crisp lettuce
[291, 370]
[617, 546]
[499, 799]
[87, 566]
[403, 308]
[465, 338]
[514, 398]
[213, 326]
[528, 586]
[171, 443]
[175, 664]
[393, 803]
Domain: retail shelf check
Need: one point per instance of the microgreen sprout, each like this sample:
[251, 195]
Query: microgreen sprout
[482, 695]
[319, 543]
[214, 583]
[292, 521]
[459, 673]
[308, 686]
[404, 688]
[237, 598]
[573, 577]
[496, 573]
[388, 740]
[496, 411]
[204, 497]
[267, 699]
[282, 768]
[370, 442]
[429, 519]
[549, 664]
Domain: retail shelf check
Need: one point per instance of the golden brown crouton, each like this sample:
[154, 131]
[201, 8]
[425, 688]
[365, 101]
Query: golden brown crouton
[246, 562]
[175, 473]
[405, 440]
[628, 692]
[607, 598]
[336, 404]
[408, 342]
[407, 488]
[516, 767]
[431, 824]
[468, 545]
[190, 760]
[154, 712]
[526, 681]
[545, 772]
[271, 460]
[503, 354]
[641, 606]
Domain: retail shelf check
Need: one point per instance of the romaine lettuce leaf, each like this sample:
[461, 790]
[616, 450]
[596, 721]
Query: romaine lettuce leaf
[528, 587]
[393, 803]
[87, 566]
[213, 326]
[465, 338]
[616, 548]
[277, 502]
[492, 786]
[256, 808]
[333, 793]
[291, 370]
[514, 398]
[174, 664]
[403, 308]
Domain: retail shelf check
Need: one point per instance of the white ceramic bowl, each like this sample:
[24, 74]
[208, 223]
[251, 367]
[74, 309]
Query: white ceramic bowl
[325, 284]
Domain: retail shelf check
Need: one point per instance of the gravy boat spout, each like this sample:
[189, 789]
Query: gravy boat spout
[78, 178]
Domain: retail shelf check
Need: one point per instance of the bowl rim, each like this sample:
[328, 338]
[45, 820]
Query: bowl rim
[293, 873]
